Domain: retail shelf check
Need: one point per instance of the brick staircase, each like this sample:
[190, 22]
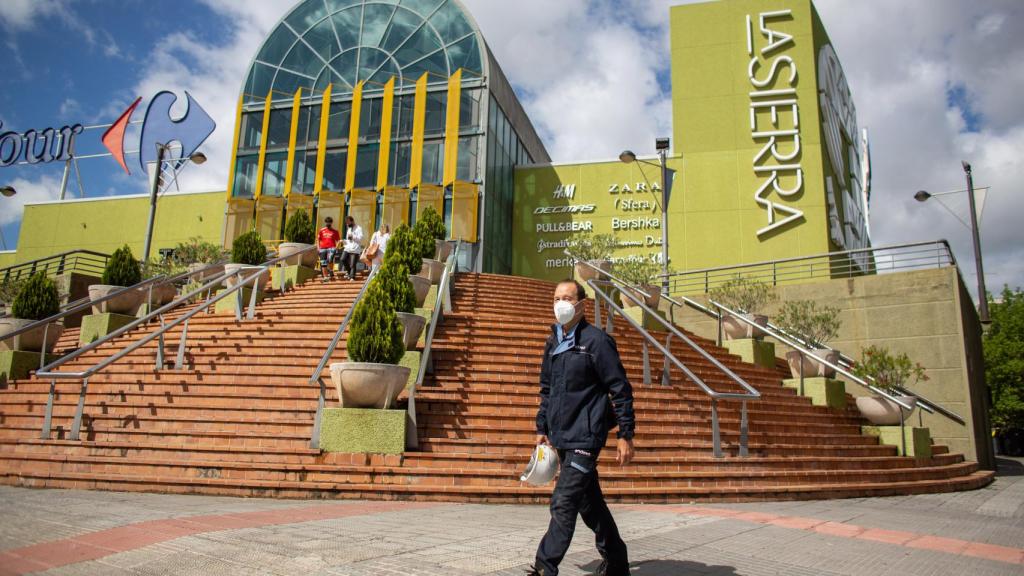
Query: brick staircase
[237, 421]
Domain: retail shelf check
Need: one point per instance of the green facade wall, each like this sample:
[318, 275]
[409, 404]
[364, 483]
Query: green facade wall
[105, 224]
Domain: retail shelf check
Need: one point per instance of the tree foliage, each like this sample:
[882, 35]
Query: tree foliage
[299, 228]
[393, 277]
[249, 249]
[814, 323]
[744, 295]
[432, 222]
[37, 299]
[122, 268]
[375, 334]
[588, 246]
[1004, 360]
[889, 371]
[404, 247]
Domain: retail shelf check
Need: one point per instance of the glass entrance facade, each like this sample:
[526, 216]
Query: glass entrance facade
[376, 109]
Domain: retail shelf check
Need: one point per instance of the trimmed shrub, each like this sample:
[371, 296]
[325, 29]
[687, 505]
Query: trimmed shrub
[375, 334]
[814, 323]
[249, 249]
[433, 223]
[743, 295]
[588, 246]
[424, 243]
[890, 372]
[299, 228]
[637, 271]
[403, 247]
[37, 299]
[393, 277]
[122, 268]
[196, 251]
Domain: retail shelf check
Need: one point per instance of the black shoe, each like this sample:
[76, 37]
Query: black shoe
[534, 571]
[602, 570]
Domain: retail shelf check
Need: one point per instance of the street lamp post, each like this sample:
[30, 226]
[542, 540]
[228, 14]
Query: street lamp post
[922, 196]
[628, 157]
[161, 149]
[7, 192]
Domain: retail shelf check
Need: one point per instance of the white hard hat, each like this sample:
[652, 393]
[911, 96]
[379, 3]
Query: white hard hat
[542, 467]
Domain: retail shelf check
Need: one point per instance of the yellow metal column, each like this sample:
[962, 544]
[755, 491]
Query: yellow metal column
[353, 137]
[296, 103]
[419, 122]
[263, 148]
[387, 111]
[451, 130]
[321, 147]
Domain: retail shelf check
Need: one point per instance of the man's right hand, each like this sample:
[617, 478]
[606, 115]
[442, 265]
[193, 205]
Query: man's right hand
[542, 439]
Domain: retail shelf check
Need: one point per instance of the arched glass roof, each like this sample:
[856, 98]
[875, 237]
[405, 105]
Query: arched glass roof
[341, 42]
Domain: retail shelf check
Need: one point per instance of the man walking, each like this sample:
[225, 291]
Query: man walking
[327, 241]
[582, 387]
[353, 247]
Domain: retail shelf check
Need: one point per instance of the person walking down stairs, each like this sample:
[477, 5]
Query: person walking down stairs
[353, 247]
[327, 242]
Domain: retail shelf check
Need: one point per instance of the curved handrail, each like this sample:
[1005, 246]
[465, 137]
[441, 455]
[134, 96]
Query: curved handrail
[318, 373]
[627, 289]
[48, 370]
[442, 305]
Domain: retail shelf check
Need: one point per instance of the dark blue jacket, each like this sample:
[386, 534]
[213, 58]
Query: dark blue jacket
[575, 408]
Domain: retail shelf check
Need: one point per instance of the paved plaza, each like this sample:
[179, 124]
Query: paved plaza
[67, 532]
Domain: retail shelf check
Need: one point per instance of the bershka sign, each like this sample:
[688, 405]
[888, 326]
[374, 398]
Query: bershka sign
[49, 145]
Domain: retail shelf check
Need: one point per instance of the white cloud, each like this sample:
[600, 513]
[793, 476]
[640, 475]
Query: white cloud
[44, 188]
[23, 14]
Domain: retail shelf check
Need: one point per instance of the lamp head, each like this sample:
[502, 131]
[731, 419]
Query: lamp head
[627, 156]
[198, 158]
[966, 165]
[8, 191]
[921, 196]
[661, 144]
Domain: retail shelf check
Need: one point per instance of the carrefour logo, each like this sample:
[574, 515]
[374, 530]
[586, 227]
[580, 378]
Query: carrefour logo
[49, 145]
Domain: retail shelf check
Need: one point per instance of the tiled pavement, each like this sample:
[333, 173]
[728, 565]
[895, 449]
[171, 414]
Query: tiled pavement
[63, 532]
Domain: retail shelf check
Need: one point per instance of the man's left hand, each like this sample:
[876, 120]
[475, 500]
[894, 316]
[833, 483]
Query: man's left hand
[625, 450]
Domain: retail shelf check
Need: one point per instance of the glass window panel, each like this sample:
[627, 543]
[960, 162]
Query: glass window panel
[252, 130]
[303, 60]
[422, 42]
[305, 15]
[313, 135]
[276, 46]
[274, 170]
[304, 175]
[334, 170]
[245, 176]
[423, 7]
[469, 110]
[436, 64]
[436, 113]
[302, 130]
[407, 106]
[370, 118]
[465, 54]
[402, 25]
[321, 37]
[280, 129]
[369, 60]
[433, 154]
[339, 122]
[346, 23]
[366, 166]
[262, 80]
[386, 72]
[375, 23]
[346, 66]
[401, 159]
[335, 5]
[450, 22]
[468, 153]
[288, 83]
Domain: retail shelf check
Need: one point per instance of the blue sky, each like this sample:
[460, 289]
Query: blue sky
[935, 82]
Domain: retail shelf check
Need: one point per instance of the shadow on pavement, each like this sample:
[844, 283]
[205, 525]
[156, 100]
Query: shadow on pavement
[671, 568]
[1009, 466]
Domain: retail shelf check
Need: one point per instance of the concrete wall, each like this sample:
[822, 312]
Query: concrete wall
[929, 315]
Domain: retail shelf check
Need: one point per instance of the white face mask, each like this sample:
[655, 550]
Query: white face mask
[564, 312]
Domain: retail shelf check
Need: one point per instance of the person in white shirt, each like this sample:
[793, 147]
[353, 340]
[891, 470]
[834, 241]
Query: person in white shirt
[380, 239]
[353, 247]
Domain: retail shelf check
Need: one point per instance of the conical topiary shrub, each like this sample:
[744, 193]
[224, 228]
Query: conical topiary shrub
[122, 268]
[402, 246]
[393, 278]
[375, 334]
[423, 240]
[249, 249]
[433, 223]
[299, 228]
[37, 299]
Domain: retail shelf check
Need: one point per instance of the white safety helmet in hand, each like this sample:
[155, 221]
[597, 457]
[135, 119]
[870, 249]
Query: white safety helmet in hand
[542, 467]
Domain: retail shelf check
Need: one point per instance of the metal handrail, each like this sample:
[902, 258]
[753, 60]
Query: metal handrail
[628, 290]
[318, 376]
[32, 265]
[443, 305]
[48, 371]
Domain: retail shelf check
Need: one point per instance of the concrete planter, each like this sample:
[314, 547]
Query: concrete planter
[292, 249]
[162, 294]
[368, 385]
[127, 303]
[586, 273]
[432, 270]
[736, 329]
[444, 250]
[31, 341]
[412, 327]
[422, 287]
[213, 272]
[651, 301]
[247, 270]
[809, 367]
[883, 412]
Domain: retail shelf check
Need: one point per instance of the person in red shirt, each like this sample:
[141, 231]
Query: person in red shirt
[327, 240]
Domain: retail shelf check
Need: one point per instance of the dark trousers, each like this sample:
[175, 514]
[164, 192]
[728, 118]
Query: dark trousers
[578, 491]
[349, 260]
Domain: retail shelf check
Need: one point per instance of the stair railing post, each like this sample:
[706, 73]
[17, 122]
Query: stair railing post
[238, 298]
[314, 442]
[251, 314]
[48, 416]
[76, 424]
[801, 373]
[743, 431]
[160, 347]
[716, 436]
[42, 350]
[665, 374]
[719, 327]
[647, 364]
[903, 433]
[179, 361]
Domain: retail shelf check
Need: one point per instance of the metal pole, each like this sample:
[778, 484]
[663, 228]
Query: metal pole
[64, 179]
[664, 221]
[154, 189]
[982, 294]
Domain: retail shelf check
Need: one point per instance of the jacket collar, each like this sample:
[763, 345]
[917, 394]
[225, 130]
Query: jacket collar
[579, 326]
